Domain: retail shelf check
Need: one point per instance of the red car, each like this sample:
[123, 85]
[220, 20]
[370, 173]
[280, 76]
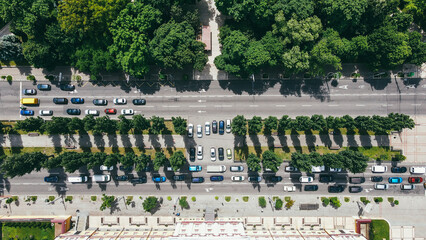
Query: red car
[415, 179]
[110, 111]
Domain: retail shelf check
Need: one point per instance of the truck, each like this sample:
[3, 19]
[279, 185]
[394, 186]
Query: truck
[216, 168]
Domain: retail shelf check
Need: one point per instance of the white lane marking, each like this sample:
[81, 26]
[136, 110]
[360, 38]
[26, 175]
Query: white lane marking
[387, 105]
[201, 101]
[20, 97]
[218, 106]
[360, 105]
[333, 105]
[201, 111]
[196, 106]
[253, 105]
[279, 105]
[306, 105]
[416, 104]
[172, 106]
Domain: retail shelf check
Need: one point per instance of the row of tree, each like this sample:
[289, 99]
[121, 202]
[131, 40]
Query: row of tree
[21, 164]
[99, 125]
[104, 35]
[377, 124]
[311, 36]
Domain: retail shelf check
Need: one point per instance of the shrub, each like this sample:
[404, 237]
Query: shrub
[390, 200]
[262, 202]
[245, 198]
[364, 200]
[93, 198]
[228, 198]
[69, 198]
[33, 198]
[183, 203]
[289, 204]
[31, 78]
[396, 202]
[378, 199]
[194, 199]
[347, 199]
[9, 200]
[15, 198]
[129, 200]
[325, 201]
[287, 199]
[3, 77]
[9, 78]
[335, 202]
[169, 198]
[278, 204]
[217, 198]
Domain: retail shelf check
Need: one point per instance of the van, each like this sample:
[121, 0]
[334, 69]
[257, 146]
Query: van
[379, 169]
[79, 179]
[29, 101]
[417, 170]
[216, 168]
[407, 187]
[317, 169]
[101, 178]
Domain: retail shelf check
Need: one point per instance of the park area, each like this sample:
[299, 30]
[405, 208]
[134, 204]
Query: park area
[379, 230]
[27, 231]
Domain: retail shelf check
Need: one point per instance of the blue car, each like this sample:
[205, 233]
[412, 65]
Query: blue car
[51, 179]
[77, 100]
[216, 178]
[195, 168]
[27, 112]
[395, 180]
[158, 179]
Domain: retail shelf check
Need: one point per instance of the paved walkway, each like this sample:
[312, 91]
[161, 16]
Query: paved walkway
[412, 142]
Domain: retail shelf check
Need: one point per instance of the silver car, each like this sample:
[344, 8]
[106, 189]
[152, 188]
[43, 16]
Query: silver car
[207, 128]
[199, 131]
[200, 152]
[119, 101]
[127, 111]
[237, 178]
[213, 154]
[46, 112]
[92, 112]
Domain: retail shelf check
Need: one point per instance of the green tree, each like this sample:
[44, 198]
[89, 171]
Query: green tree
[253, 162]
[142, 162]
[418, 48]
[150, 203]
[19, 165]
[271, 160]
[140, 123]
[112, 159]
[255, 125]
[183, 203]
[179, 125]
[104, 125]
[296, 60]
[322, 55]
[333, 160]
[75, 124]
[158, 125]
[301, 161]
[318, 123]
[125, 125]
[335, 202]
[58, 125]
[262, 202]
[239, 126]
[177, 160]
[128, 160]
[107, 202]
[10, 48]
[30, 124]
[271, 123]
[348, 122]
[283, 124]
[52, 162]
[72, 161]
[278, 204]
[159, 160]
[93, 59]
[296, 31]
[302, 123]
[400, 121]
[95, 160]
[354, 161]
[89, 123]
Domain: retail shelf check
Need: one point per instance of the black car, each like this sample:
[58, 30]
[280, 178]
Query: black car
[355, 189]
[179, 177]
[398, 169]
[255, 179]
[122, 178]
[311, 188]
[192, 154]
[139, 101]
[126, 169]
[73, 111]
[67, 87]
[326, 178]
[274, 179]
[214, 126]
[376, 179]
[197, 180]
[336, 189]
[220, 153]
[216, 178]
[51, 179]
[221, 127]
[60, 100]
[357, 180]
[138, 180]
[44, 87]
[100, 102]
[77, 100]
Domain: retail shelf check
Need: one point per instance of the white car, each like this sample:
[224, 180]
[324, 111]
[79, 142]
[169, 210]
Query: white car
[207, 128]
[200, 152]
[190, 130]
[106, 168]
[46, 112]
[318, 169]
[92, 112]
[119, 101]
[237, 178]
[127, 111]
[291, 169]
[289, 188]
[335, 170]
[199, 131]
[213, 154]
[306, 179]
[379, 169]
[228, 125]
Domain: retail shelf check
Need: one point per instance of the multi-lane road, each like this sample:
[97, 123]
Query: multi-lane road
[210, 99]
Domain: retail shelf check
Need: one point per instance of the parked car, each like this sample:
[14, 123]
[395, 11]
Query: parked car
[228, 125]
[159, 179]
[213, 154]
[190, 130]
[221, 127]
[199, 131]
[67, 87]
[60, 101]
[216, 178]
[398, 169]
[179, 177]
[119, 101]
[274, 179]
[311, 188]
[92, 112]
[106, 168]
[100, 102]
[138, 180]
[110, 111]
[51, 179]
[408, 187]
[220, 154]
[197, 179]
[305, 179]
[236, 168]
[73, 111]
[27, 112]
[335, 170]
[255, 179]
[29, 92]
[355, 189]
[195, 168]
[290, 169]
[139, 101]
[229, 154]
[415, 179]
[237, 178]
[214, 126]
[379, 169]
[192, 154]
[200, 152]
[77, 100]
[417, 170]
[326, 178]
[317, 169]
[127, 111]
[336, 188]
[207, 128]
[44, 87]
[376, 179]
[289, 188]
[357, 180]
[122, 178]
[381, 186]
[45, 112]
[395, 180]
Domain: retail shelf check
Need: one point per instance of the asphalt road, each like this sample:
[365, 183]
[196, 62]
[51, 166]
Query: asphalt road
[207, 100]
[33, 184]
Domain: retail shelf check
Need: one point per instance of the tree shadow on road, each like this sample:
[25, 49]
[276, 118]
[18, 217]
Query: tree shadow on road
[125, 139]
[56, 140]
[256, 144]
[283, 143]
[310, 140]
[338, 138]
[295, 140]
[365, 138]
[99, 142]
[113, 143]
[325, 139]
[139, 140]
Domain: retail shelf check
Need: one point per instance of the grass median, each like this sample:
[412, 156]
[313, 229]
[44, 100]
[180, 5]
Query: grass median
[379, 229]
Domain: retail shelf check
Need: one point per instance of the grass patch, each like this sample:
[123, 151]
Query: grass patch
[245, 198]
[30, 230]
[228, 198]
[379, 229]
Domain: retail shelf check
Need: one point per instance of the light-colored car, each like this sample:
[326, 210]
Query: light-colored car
[408, 187]
[119, 101]
[92, 112]
[200, 152]
[207, 128]
[379, 169]
[291, 169]
[213, 154]
[190, 130]
[381, 186]
[229, 153]
[318, 169]
[46, 112]
[334, 170]
[305, 179]
[228, 125]
[236, 168]
[127, 111]
[289, 188]
[101, 178]
[417, 170]
[199, 131]
[29, 92]
[106, 168]
[237, 178]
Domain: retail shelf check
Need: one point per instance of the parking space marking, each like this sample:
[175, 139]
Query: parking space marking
[306, 105]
